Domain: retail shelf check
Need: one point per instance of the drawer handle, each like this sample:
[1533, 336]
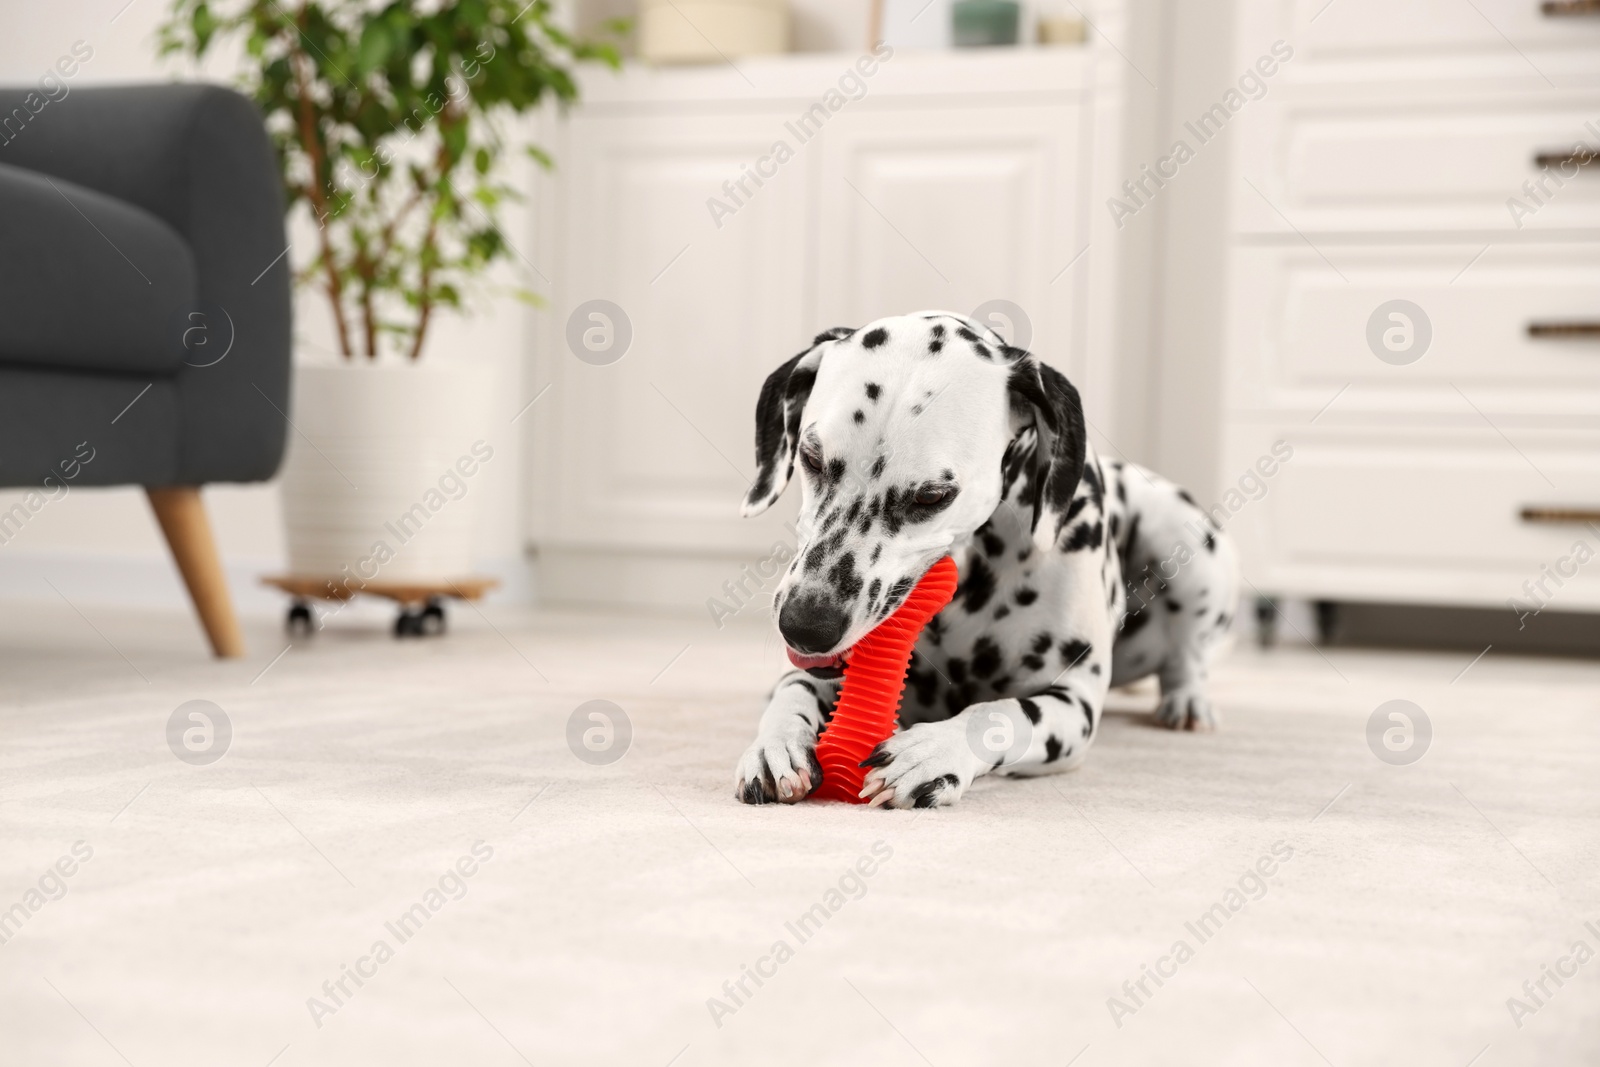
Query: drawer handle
[1564, 330]
[1561, 515]
[1570, 8]
[1581, 156]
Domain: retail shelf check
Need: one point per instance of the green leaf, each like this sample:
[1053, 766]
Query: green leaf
[376, 45]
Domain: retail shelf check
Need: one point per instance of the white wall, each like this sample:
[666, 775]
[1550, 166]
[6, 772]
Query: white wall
[102, 545]
[1190, 262]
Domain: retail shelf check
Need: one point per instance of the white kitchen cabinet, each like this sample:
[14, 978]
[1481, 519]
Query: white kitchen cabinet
[954, 179]
[1460, 459]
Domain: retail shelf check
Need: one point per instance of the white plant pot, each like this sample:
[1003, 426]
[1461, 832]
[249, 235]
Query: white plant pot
[384, 476]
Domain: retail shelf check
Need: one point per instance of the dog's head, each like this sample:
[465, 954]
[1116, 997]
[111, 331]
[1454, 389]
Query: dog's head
[907, 432]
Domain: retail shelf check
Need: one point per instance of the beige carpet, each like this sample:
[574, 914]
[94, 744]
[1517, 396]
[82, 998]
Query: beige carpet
[619, 900]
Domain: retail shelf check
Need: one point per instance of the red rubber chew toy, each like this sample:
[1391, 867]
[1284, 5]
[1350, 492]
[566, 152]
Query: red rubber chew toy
[868, 709]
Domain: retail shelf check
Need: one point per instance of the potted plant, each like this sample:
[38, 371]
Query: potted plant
[386, 118]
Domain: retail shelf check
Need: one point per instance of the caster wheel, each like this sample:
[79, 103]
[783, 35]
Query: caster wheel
[1266, 622]
[408, 624]
[299, 619]
[432, 618]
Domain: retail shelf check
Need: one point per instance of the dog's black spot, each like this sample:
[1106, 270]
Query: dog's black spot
[893, 517]
[835, 470]
[1026, 596]
[985, 657]
[1073, 651]
[1031, 710]
[1200, 611]
[966, 334]
[1001, 683]
[877, 466]
[874, 338]
[1052, 748]
[992, 545]
[1183, 495]
[977, 587]
[1211, 542]
[1084, 536]
[1033, 662]
[859, 417]
[935, 346]
[924, 684]
[844, 577]
[877, 549]
[956, 668]
[873, 390]
[815, 556]
[956, 700]
[926, 795]
[1002, 611]
[1174, 606]
[935, 629]
[1088, 719]
[1094, 668]
[1113, 526]
[938, 329]
[1133, 622]
[1042, 642]
[1077, 505]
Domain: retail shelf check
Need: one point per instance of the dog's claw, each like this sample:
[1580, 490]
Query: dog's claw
[876, 758]
[777, 770]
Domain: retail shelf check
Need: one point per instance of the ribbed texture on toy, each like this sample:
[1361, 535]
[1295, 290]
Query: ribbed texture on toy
[875, 677]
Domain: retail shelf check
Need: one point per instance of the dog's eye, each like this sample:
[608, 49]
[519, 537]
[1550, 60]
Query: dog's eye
[930, 495]
[812, 461]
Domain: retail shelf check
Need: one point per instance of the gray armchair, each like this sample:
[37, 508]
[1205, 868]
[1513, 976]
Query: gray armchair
[144, 308]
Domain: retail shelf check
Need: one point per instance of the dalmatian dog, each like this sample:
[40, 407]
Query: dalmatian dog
[926, 435]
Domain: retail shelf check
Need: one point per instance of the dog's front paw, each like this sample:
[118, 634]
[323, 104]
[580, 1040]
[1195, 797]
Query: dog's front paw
[927, 765]
[1187, 708]
[778, 770]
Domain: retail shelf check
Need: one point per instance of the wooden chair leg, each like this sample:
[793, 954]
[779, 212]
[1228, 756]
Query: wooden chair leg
[182, 516]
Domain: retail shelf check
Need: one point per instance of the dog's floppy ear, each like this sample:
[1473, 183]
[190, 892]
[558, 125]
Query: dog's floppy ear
[783, 398]
[1056, 465]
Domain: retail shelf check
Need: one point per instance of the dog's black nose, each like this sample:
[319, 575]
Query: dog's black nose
[811, 623]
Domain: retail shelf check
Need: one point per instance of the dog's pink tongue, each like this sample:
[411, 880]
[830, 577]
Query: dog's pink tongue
[807, 662]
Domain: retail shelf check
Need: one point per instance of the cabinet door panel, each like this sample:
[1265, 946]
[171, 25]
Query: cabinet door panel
[1324, 32]
[1399, 514]
[654, 450]
[950, 209]
[1302, 330]
[1357, 162]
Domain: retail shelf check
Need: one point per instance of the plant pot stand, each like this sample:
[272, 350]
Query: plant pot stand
[421, 603]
